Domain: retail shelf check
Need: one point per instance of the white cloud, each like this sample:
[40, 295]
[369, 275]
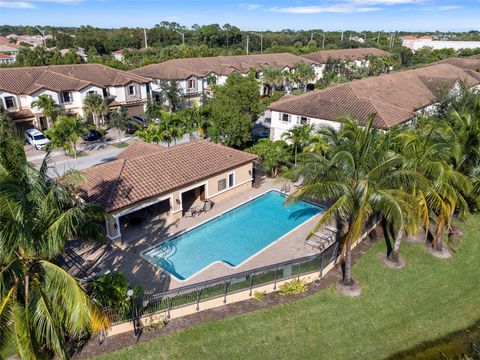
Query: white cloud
[449, 7]
[342, 9]
[252, 6]
[384, 2]
[16, 4]
[31, 4]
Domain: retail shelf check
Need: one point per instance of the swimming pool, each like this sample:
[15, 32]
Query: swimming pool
[231, 237]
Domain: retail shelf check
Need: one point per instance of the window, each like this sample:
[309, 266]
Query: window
[191, 84]
[231, 180]
[222, 184]
[66, 97]
[285, 117]
[302, 120]
[91, 92]
[131, 90]
[10, 102]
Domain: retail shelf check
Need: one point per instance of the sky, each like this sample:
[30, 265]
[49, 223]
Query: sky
[375, 15]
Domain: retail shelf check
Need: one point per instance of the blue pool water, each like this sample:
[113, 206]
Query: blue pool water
[233, 236]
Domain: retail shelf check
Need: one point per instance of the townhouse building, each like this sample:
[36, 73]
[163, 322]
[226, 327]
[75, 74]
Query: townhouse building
[393, 99]
[68, 85]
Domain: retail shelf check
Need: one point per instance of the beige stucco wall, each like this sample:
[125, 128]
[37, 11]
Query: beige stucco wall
[243, 176]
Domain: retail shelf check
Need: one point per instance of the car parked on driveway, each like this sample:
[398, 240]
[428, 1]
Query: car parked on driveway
[92, 135]
[139, 120]
[36, 138]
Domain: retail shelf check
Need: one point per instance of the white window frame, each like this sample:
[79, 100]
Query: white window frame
[14, 101]
[134, 90]
[62, 98]
[289, 118]
[229, 186]
[194, 82]
[299, 120]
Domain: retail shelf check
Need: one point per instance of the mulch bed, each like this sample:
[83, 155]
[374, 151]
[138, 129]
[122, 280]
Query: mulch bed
[117, 342]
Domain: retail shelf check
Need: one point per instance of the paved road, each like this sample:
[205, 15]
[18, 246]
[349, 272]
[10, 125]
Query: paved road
[99, 153]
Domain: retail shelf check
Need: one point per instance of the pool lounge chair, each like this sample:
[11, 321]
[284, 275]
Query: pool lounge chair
[299, 182]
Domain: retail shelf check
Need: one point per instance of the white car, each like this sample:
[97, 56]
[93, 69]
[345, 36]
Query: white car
[36, 138]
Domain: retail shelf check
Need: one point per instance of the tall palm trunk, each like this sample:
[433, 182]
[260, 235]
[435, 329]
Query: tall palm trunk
[74, 147]
[296, 154]
[347, 275]
[395, 254]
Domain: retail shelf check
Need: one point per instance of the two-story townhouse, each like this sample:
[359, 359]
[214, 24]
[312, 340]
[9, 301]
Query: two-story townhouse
[195, 76]
[394, 99]
[68, 85]
[357, 57]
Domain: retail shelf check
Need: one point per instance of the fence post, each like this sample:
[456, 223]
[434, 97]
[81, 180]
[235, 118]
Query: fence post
[251, 285]
[169, 302]
[275, 281]
[225, 293]
[198, 299]
[321, 265]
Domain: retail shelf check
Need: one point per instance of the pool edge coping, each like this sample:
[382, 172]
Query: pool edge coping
[222, 262]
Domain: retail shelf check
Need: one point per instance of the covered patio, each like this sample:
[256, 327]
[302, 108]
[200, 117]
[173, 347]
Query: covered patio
[150, 183]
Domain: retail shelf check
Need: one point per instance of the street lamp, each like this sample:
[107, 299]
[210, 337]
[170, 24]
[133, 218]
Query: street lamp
[130, 296]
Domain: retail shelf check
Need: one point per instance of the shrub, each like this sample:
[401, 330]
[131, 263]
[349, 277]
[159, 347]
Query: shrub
[293, 287]
[110, 290]
[259, 296]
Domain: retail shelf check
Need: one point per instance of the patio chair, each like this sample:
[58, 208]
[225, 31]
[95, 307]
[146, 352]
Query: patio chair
[285, 188]
[332, 229]
[299, 182]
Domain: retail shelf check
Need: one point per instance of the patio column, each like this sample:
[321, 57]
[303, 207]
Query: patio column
[113, 227]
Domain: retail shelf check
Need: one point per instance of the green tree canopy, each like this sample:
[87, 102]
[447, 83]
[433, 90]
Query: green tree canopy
[234, 108]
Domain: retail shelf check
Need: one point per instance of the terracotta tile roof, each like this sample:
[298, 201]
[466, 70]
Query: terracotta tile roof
[321, 57]
[470, 63]
[21, 114]
[28, 80]
[394, 98]
[139, 148]
[5, 56]
[128, 180]
[179, 69]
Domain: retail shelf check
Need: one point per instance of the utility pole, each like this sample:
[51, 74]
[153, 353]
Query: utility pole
[261, 43]
[323, 41]
[183, 36]
[378, 37]
[145, 36]
[311, 36]
[341, 38]
[42, 32]
[247, 43]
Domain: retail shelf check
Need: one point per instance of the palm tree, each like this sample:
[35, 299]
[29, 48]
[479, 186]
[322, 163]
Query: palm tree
[41, 305]
[119, 120]
[95, 105]
[65, 133]
[361, 178]
[299, 137]
[303, 73]
[49, 108]
[6, 124]
[272, 76]
[428, 150]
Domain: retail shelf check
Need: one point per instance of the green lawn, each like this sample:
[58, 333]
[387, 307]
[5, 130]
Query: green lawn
[398, 310]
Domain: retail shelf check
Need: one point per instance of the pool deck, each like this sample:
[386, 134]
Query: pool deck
[125, 257]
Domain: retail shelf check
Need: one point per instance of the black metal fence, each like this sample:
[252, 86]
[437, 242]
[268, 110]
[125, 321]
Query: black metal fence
[225, 286]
